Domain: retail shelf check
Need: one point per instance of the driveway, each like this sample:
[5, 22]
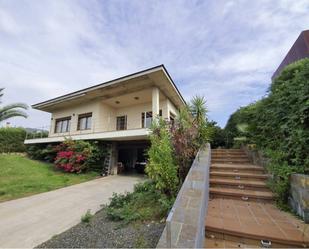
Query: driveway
[29, 221]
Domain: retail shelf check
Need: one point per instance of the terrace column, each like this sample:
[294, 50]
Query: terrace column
[155, 103]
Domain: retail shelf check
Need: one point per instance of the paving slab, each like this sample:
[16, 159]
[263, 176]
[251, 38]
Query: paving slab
[28, 222]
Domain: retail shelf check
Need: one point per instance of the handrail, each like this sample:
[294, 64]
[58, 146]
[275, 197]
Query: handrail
[185, 222]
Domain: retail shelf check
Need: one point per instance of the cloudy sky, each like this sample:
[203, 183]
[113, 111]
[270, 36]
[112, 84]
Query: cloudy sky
[225, 50]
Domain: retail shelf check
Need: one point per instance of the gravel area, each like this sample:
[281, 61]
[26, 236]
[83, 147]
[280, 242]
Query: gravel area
[104, 233]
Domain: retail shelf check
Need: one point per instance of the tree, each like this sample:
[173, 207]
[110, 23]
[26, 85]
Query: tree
[185, 142]
[218, 138]
[12, 110]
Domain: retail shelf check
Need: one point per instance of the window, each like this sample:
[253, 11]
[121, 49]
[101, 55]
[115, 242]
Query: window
[172, 118]
[121, 123]
[84, 121]
[146, 123]
[62, 125]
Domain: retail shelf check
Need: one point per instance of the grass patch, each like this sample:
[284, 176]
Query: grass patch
[87, 217]
[145, 203]
[21, 176]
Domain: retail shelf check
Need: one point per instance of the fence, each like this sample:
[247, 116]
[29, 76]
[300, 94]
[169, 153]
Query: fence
[185, 224]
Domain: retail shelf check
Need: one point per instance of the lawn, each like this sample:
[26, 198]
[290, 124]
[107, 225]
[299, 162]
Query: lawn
[21, 176]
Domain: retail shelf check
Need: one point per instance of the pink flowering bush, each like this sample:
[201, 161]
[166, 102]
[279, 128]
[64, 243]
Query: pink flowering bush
[74, 156]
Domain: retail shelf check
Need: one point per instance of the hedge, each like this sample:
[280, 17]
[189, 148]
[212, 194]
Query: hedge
[12, 140]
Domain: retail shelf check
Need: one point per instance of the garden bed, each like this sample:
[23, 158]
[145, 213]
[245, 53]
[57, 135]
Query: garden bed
[101, 232]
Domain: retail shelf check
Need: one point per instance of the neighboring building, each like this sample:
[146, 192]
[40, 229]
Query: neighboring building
[299, 50]
[119, 111]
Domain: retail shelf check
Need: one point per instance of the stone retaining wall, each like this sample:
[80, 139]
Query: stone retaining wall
[299, 199]
[299, 190]
[185, 224]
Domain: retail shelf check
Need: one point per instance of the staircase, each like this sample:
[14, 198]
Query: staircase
[241, 211]
[233, 177]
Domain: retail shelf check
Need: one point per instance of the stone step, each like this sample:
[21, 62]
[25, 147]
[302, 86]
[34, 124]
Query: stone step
[230, 161]
[241, 194]
[238, 184]
[238, 175]
[228, 150]
[228, 155]
[216, 156]
[216, 239]
[236, 168]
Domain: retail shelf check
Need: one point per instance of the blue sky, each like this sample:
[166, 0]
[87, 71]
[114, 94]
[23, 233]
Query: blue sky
[224, 50]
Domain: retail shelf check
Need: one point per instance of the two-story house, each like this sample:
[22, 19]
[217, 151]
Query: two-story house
[119, 111]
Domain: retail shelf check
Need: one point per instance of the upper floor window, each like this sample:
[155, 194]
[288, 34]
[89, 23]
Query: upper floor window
[62, 125]
[84, 121]
[121, 123]
[172, 118]
[147, 118]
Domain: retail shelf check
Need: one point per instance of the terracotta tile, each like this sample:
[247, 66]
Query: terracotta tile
[252, 228]
[233, 244]
[230, 215]
[231, 224]
[285, 224]
[263, 221]
[259, 213]
[240, 203]
[273, 232]
[251, 243]
[214, 243]
[237, 239]
[248, 220]
[214, 222]
[295, 235]
[214, 235]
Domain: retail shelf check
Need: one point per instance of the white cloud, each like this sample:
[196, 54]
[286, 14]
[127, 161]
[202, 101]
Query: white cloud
[225, 49]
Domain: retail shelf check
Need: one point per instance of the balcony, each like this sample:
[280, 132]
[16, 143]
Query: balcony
[109, 130]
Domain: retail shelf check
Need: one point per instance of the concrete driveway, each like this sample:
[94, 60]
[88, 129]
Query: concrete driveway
[29, 221]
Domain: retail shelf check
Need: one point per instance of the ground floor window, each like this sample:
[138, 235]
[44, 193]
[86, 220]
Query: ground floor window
[62, 125]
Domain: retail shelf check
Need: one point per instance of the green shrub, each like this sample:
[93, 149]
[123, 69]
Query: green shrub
[87, 217]
[42, 152]
[94, 152]
[77, 156]
[161, 167]
[145, 203]
[12, 140]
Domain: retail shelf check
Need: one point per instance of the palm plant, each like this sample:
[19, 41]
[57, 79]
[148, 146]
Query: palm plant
[198, 109]
[199, 112]
[12, 110]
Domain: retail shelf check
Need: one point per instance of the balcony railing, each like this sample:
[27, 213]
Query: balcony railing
[97, 126]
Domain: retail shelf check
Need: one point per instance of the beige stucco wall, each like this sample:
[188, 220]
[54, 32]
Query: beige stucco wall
[73, 112]
[171, 108]
[104, 116]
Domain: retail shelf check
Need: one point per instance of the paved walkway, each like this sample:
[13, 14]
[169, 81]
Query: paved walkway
[29, 221]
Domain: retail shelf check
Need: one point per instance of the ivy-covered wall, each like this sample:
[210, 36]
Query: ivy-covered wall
[278, 125]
